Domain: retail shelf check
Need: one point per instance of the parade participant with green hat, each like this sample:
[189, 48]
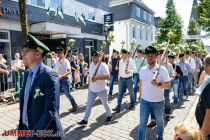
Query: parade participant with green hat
[126, 69]
[140, 61]
[114, 70]
[40, 97]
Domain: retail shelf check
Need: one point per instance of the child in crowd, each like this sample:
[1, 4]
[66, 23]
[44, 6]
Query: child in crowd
[77, 77]
[184, 133]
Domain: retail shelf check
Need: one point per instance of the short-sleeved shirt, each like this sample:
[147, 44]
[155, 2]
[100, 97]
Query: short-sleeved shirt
[99, 85]
[150, 92]
[169, 68]
[131, 68]
[140, 62]
[203, 104]
[65, 67]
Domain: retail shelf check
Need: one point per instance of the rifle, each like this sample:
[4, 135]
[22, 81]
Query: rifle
[61, 65]
[161, 60]
[96, 70]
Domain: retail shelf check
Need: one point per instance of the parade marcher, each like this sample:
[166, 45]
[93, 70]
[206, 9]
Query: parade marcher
[40, 98]
[183, 80]
[152, 93]
[140, 61]
[198, 65]
[114, 70]
[99, 74]
[170, 70]
[202, 112]
[63, 68]
[175, 78]
[3, 81]
[191, 61]
[18, 67]
[126, 69]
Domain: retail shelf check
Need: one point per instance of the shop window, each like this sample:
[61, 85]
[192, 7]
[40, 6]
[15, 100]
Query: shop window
[55, 4]
[4, 35]
[138, 12]
[140, 33]
[92, 15]
[40, 3]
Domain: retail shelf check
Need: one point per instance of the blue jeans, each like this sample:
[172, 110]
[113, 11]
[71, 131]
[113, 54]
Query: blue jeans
[145, 110]
[167, 101]
[113, 78]
[123, 84]
[65, 85]
[136, 84]
[183, 85]
[73, 79]
[82, 80]
[174, 85]
[190, 81]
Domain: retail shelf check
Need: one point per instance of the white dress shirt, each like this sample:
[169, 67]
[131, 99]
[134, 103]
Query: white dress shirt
[131, 68]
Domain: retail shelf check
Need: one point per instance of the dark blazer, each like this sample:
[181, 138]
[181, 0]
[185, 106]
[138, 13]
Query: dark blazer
[42, 111]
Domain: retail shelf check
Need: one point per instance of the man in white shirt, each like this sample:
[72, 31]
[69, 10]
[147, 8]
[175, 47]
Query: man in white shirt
[127, 67]
[151, 90]
[191, 61]
[99, 74]
[62, 66]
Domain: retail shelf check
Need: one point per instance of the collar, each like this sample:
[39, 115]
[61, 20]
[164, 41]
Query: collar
[35, 68]
[154, 68]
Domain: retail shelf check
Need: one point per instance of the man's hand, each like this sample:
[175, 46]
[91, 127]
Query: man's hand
[94, 78]
[154, 82]
[60, 77]
[126, 71]
[117, 68]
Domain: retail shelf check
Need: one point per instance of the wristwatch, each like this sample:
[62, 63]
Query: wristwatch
[159, 84]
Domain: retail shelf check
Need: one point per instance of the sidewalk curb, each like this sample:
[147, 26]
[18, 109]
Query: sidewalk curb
[190, 119]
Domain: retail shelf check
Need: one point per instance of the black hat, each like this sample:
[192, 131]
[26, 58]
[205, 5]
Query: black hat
[124, 51]
[193, 52]
[160, 51]
[94, 53]
[139, 51]
[151, 49]
[181, 55]
[115, 51]
[171, 55]
[187, 52]
[34, 43]
[59, 49]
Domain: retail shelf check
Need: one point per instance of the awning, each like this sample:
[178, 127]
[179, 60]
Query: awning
[53, 28]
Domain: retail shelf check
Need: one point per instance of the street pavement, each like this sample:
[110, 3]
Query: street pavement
[123, 127]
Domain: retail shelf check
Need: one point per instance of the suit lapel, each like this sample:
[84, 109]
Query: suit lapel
[39, 72]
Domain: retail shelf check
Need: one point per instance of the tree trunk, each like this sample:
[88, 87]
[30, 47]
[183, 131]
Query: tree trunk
[23, 20]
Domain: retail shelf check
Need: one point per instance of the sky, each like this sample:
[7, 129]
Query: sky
[183, 8]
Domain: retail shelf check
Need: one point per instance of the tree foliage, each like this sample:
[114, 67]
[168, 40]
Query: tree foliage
[203, 11]
[172, 22]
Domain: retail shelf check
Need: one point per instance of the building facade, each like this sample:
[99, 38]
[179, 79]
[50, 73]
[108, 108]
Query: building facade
[136, 20]
[51, 28]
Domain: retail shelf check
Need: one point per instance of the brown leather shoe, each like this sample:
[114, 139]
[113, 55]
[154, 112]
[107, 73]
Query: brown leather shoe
[151, 124]
[74, 109]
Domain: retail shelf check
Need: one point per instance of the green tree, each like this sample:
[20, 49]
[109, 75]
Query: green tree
[172, 22]
[204, 14]
[23, 20]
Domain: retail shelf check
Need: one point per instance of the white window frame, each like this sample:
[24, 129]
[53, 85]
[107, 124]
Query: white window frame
[146, 34]
[144, 15]
[140, 33]
[138, 12]
[45, 4]
[134, 32]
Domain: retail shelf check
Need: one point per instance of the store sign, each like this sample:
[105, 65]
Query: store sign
[108, 19]
[8, 11]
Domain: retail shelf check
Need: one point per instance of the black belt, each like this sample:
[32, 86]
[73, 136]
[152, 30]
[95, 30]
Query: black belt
[126, 78]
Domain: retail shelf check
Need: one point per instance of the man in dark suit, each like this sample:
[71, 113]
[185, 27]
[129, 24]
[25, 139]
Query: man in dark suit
[39, 102]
